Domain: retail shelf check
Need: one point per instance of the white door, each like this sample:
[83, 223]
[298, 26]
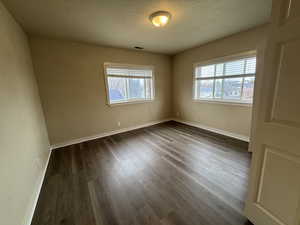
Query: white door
[274, 194]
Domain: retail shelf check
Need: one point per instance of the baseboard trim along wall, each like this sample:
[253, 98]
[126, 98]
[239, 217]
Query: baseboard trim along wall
[30, 214]
[105, 134]
[214, 130]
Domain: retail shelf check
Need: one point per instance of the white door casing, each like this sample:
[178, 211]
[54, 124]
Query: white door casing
[274, 191]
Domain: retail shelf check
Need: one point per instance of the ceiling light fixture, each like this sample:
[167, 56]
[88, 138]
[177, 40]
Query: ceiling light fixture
[160, 18]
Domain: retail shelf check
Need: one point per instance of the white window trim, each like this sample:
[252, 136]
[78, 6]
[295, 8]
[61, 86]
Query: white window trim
[223, 59]
[128, 66]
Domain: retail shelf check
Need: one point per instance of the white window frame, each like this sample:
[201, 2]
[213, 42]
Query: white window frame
[128, 66]
[252, 53]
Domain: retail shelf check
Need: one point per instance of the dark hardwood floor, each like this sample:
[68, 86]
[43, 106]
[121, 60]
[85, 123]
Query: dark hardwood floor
[167, 174]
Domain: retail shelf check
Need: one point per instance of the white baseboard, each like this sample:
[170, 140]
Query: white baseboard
[215, 130]
[109, 133]
[28, 220]
[105, 134]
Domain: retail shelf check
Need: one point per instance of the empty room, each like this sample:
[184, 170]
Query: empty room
[149, 112]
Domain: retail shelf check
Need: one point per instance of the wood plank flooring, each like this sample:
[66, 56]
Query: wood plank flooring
[167, 174]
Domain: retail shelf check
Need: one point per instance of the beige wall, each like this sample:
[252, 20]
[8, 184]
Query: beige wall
[230, 118]
[71, 80]
[24, 145]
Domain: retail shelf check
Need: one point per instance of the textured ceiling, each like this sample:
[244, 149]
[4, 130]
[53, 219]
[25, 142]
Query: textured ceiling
[124, 23]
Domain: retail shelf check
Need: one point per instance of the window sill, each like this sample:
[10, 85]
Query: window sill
[130, 102]
[224, 102]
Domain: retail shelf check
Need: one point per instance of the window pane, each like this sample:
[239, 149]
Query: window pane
[232, 88]
[129, 82]
[248, 88]
[117, 89]
[212, 85]
[136, 88]
[205, 71]
[197, 89]
[205, 88]
[148, 88]
[219, 69]
[250, 65]
[218, 88]
[234, 67]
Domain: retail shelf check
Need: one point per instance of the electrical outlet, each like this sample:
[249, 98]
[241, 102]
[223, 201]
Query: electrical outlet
[178, 114]
[119, 124]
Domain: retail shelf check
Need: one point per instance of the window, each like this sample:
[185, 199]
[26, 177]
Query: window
[128, 83]
[226, 81]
